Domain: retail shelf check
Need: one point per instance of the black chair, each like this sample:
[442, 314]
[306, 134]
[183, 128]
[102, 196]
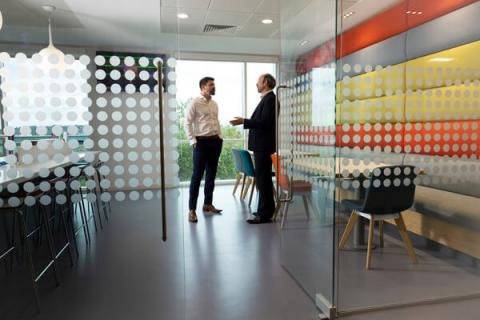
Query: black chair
[391, 190]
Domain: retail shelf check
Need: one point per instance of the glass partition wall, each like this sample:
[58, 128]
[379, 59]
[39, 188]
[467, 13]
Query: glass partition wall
[378, 122]
[85, 93]
[407, 137]
[306, 149]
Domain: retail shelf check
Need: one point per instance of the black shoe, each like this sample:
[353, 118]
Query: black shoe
[258, 220]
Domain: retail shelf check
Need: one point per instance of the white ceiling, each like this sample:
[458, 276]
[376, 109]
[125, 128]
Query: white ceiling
[154, 24]
[246, 15]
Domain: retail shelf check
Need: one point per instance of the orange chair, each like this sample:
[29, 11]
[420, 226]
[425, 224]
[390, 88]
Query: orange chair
[297, 187]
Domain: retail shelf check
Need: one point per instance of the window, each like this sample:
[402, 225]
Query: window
[40, 99]
[233, 98]
[254, 70]
[34, 96]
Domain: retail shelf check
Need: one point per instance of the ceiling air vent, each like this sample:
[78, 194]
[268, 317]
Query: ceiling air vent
[219, 28]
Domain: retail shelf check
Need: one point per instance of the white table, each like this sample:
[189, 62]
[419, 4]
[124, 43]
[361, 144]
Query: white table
[22, 173]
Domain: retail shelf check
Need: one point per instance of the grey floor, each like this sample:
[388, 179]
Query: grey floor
[220, 268]
[394, 279]
[223, 268]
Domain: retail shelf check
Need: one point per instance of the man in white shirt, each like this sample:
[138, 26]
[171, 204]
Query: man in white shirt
[204, 134]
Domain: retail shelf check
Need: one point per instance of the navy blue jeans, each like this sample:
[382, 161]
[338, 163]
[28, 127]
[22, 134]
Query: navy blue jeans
[205, 158]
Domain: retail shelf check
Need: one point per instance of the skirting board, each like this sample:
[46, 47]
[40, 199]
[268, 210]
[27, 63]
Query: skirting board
[448, 234]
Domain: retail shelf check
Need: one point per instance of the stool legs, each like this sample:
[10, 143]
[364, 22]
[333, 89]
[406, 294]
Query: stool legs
[28, 250]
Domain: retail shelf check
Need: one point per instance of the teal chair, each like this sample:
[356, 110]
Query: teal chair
[237, 158]
[249, 173]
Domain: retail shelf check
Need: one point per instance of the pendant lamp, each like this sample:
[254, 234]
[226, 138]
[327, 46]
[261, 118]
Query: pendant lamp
[54, 56]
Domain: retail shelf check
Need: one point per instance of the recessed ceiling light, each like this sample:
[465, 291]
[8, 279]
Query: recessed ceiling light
[414, 12]
[267, 21]
[182, 16]
[442, 59]
[303, 42]
[348, 14]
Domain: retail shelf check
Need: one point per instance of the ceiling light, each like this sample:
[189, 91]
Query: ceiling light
[303, 42]
[348, 14]
[267, 21]
[442, 59]
[50, 53]
[1, 20]
[414, 12]
[182, 16]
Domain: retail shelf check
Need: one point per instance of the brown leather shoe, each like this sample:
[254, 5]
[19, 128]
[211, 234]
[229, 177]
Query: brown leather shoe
[192, 216]
[211, 209]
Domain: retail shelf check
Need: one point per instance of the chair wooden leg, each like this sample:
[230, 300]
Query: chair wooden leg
[305, 203]
[275, 192]
[406, 239]
[380, 230]
[237, 182]
[247, 187]
[285, 212]
[348, 229]
[243, 185]
[278, 204]
[371, 227]
[251, 193]
[312, 206]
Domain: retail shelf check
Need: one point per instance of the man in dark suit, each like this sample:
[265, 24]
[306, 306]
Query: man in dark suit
[261, 140]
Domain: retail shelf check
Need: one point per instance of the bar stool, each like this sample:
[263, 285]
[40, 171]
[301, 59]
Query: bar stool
[78, 194]
[75, 202]
[58, 197]
[89, 173]
[18, 203]
[103, 185]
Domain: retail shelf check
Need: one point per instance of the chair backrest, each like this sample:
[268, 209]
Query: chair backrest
[237, 158]
[247, 163]
[391, 190]
[281, 178]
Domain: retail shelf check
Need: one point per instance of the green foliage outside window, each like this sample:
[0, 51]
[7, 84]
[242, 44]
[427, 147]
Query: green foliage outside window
[232, 139]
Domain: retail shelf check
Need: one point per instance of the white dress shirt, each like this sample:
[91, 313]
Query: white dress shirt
[201, 119]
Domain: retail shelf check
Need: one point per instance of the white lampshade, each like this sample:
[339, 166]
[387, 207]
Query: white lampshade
[1, 20]
[52, 56]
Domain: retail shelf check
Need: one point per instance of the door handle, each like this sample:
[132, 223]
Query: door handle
[162, 150]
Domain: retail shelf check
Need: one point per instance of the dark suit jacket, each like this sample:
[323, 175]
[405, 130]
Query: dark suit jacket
[261, 137]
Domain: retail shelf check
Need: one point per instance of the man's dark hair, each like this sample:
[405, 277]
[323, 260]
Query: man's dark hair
[271, 82]
[204, 81]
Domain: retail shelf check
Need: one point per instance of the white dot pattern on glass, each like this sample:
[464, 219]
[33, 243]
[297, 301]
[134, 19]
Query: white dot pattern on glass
[384, 115]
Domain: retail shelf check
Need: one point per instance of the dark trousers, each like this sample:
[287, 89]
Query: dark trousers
[263, 178]
[205, 158]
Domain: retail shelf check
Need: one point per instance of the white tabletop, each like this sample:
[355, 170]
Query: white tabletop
[21, 173]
